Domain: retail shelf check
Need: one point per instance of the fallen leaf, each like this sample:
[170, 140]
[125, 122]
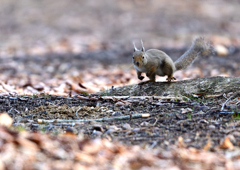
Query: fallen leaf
[180, 142]
[208, 145]
[226, 144]
[5, 120]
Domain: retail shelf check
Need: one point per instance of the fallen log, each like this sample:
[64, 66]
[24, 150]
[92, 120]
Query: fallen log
[205, 86]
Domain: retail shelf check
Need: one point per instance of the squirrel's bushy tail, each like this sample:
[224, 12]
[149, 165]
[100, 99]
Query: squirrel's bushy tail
[199, 48]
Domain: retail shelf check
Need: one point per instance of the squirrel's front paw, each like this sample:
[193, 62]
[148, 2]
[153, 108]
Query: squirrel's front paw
[140, 77]
[170, 78]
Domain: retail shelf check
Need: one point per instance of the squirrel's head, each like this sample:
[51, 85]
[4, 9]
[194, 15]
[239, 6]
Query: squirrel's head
[139, 58]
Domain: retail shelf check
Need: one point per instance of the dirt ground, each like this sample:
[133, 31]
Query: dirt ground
[55, 55]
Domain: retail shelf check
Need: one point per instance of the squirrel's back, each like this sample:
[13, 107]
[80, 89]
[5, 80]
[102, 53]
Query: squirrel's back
[156, 53]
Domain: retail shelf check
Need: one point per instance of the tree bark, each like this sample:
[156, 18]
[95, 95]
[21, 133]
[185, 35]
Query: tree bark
[205, 86]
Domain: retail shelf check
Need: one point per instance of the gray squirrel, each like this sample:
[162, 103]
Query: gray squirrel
[155, 62]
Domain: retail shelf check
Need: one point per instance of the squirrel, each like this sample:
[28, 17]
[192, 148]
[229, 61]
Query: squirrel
[155, 62]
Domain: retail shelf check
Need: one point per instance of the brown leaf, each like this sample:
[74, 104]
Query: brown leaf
[5, 120]
[27, 143]
[208, 145]
[86, 158]
[226, 144]
[180, 142]
[92, 147]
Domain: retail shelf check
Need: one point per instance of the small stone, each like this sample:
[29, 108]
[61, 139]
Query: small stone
[221, 50]
[109, 111]
[136, 129]
[211, 127]
[116, 108]
[113, 127]
[122, 108]
[126, 126]
[235, 133]
[119, 104]
[187, 140]
[144, 124]
[117, 113]
[186, 110]
[96, 133]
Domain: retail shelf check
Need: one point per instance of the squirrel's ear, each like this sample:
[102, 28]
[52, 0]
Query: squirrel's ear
[135, 48]
[143, 49]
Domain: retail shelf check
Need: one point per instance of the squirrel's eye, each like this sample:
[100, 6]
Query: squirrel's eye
[142, 56]
[133, 57]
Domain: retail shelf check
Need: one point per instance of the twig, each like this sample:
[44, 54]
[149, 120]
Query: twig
[156, 120]
[134, 116]
[227, 112]
[153, 144]
[17, 111]
[77, 112]
[234, 95]
[39, 113]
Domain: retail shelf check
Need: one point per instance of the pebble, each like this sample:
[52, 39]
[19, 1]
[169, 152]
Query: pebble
[144, 124]
[221, 50]
[96, 133]
[235, 133]
[211, 127]
[119, 104]
[13, 98]
[113, 127]
[117, 113]
[136, 129]
[187, 140]
[109, 111]
[126, 126]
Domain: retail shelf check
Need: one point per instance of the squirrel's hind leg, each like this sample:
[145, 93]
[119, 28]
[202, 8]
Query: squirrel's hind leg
[152, 77]
[170, 78]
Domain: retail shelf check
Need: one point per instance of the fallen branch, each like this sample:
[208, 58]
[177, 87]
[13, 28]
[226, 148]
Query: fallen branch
[128, 117]
[28, 116]
[140, 97]
[204, 86]
[234, 95]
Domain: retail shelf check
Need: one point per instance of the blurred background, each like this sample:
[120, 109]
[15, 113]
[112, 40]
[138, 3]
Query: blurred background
[61, 46]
